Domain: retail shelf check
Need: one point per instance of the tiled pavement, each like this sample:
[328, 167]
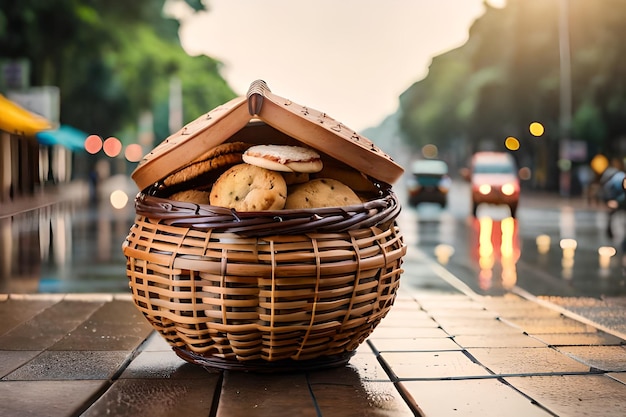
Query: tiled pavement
[439, 352]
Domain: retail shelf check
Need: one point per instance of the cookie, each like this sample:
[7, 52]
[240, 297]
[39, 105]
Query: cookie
[284, 158]
[224, 155]
[292, 178]
[321, 192]
[192, 196]
[354, 179]
[246, 187]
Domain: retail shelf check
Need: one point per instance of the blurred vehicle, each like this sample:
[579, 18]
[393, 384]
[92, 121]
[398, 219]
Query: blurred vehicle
[494, 180]
[429, 182]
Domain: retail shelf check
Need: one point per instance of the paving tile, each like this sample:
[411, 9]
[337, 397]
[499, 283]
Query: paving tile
[535, 325]
[16, 312]
[46, 398]
[447, 301]
[528, 312]
[523, 309]
[575, 395]
[148, 365]
[498, 340]
[156, 398]
[276, 395]
[607, 358]
[526, 361]
[359, 399]
[453, 308]
[619, 376]
[579, 339]
[117, 325]
[405, 322]
[416, 344]
[405, 303]
[507, 301]
[480, 327]
[431, 365]
[63, 365]
[452, 317]
[363, 366]
[470, 397]
[13, 359]
[410, 332]
[49, 326]
[156, 343]
[408, 318]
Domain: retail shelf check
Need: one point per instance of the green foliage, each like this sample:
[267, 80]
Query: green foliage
[508, 75]
[112, 60]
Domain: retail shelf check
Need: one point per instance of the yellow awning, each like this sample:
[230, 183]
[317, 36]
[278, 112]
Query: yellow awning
[19, 121]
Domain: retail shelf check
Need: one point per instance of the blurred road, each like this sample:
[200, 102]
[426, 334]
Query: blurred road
[494, 252]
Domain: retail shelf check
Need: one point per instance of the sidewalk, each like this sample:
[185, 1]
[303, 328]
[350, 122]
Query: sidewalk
[441, 351]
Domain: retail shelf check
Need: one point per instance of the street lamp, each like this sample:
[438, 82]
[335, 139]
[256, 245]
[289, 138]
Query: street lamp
[565, 97]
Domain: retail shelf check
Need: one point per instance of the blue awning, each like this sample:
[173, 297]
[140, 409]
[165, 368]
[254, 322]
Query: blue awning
[67, 136]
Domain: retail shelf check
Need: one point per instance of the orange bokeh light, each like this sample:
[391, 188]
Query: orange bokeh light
[112, 147]
[93, 144]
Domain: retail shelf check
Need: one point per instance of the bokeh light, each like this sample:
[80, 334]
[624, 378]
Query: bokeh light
[525, 173]
[511, 143]
[543, 243]
[599, 164]
[133, 152]
[118, 199]
[536, 129]
[93, 144]
[430, 151]
[604, 255]
[564, 164]
[112, 147]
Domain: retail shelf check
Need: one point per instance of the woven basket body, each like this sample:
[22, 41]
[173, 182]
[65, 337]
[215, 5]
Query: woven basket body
[241, 298]
[271, 290]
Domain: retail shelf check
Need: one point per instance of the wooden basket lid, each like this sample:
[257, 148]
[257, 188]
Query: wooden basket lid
[311, 127]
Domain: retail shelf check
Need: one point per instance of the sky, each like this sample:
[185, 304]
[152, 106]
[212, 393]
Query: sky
[348, 58]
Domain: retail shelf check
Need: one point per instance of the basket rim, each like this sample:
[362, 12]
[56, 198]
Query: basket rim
[371, 213]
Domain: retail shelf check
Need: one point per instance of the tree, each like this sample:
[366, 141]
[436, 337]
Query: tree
[507, 75]
[112, 60]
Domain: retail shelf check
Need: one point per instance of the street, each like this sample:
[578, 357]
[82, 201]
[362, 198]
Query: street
[494, 253]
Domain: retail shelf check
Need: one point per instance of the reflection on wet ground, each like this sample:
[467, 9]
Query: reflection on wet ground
[67, 247]
[546, 251]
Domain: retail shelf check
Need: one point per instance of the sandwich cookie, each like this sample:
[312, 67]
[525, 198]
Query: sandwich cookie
[284, 158]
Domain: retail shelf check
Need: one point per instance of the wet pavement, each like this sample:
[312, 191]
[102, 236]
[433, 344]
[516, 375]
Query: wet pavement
[439, 352]
[443, 350]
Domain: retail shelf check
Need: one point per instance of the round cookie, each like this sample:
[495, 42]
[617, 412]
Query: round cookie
[192, 196]
[246, 187]
[284, 158]
[292, 178]
[321, 192]
[354, 179]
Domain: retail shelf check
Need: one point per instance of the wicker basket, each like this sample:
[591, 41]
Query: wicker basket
[264, 290]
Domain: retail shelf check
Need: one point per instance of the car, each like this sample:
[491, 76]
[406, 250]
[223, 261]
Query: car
[429, 182]
[494, 180]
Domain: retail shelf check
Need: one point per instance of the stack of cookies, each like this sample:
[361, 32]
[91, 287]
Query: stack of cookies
[248, 177]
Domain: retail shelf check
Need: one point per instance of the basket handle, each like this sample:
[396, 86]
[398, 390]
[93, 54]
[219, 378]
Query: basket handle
[255, 95]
